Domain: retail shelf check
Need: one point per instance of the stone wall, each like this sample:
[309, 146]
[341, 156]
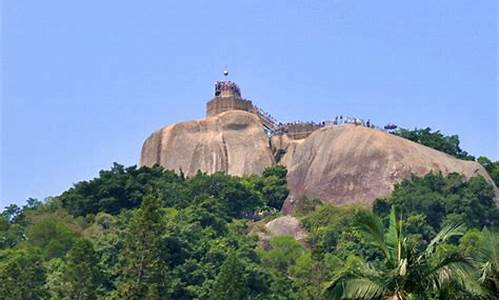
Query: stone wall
[301, 130]
[222, 104]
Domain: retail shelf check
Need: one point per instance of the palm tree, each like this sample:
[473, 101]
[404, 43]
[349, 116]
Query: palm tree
[404, 273]
[487, 258]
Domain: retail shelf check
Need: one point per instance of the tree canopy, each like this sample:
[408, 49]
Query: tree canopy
[435, 200]
[149, 233]
[435, 139]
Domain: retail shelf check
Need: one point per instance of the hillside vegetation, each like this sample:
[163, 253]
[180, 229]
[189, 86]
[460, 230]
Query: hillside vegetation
[149, 233]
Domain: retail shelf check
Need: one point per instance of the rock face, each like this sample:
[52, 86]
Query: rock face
[286, 225]
[233, 142]
[347, 163]
[336, 164]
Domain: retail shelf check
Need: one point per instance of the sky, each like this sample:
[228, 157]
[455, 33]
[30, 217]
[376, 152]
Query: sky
[85, 82]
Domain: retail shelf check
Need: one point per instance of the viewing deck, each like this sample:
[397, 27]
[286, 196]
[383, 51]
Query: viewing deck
[228, 97]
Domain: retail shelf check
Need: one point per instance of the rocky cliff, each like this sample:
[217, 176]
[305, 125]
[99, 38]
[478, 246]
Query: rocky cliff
[347, 163]
[233, 142]
[336, 164]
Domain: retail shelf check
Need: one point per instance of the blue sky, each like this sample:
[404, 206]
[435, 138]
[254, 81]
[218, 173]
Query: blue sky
[85, 82]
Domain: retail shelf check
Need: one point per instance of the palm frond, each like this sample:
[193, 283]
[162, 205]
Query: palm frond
[372, 230]
[362, 288]
[393, 234]
[358, 280]
[444, 235]
[488, 249]
[350, 286]
[487, 261]
[454, 268]
[403, 267]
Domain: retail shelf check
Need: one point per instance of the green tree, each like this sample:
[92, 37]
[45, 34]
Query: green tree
[123, 188]
[22, 275]
[10, 233]
[193, 240]
[237, 198]
[435, 139]
[55, 282]
[231, 282]
[331, 230]
[404, 272]
[487, 257]
[52, 236]
[274, 186]
[82, 274]
[490, 166]
[145, 270]
[442, 200]
[283, 252]
[418, 230]
[470, 241]
[310, 275]
[13, 213]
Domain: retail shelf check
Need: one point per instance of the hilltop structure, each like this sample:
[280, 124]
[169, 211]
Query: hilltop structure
[228, 97]
[341, 161]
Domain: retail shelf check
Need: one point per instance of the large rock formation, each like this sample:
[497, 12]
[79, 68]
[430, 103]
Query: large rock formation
[336, 164]
[347, 163]
[231, 142]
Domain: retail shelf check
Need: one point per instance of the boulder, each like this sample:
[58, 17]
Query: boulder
[232, 142]
[286, 225]
[355, 164]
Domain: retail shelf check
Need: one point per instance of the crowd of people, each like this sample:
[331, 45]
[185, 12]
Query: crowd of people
[280, 127]
[224, 85]
[283, 127]
[350, 120]
[267, 116]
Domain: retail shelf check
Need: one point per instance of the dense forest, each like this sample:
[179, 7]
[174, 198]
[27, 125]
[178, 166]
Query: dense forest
[149, 233]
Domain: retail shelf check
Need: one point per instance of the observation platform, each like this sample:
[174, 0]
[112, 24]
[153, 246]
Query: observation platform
[228, 97]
